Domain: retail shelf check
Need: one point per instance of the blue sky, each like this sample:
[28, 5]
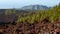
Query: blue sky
[21, 3]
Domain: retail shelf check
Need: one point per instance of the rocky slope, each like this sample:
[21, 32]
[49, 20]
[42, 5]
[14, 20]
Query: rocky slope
[42, 27]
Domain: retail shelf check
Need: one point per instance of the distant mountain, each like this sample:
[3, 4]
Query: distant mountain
[35, 7]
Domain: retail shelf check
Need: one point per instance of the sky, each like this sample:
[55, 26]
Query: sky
[21, 3]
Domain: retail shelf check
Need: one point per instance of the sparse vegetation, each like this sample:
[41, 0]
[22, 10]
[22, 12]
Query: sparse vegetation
[51, 15]
[8, 12]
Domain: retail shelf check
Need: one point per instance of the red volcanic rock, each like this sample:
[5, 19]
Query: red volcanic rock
[35, 28]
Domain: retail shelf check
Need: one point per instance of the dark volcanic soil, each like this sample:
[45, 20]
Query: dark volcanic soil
[41, 27]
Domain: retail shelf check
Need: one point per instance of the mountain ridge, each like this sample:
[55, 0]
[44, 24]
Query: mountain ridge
[35, 7]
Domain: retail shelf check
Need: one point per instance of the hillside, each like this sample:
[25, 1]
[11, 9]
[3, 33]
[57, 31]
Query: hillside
[28, 22]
